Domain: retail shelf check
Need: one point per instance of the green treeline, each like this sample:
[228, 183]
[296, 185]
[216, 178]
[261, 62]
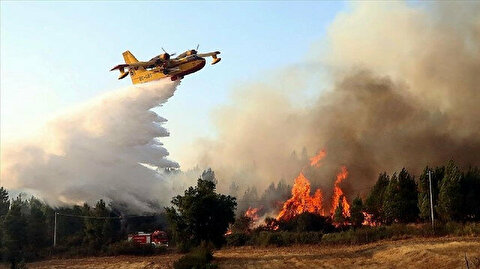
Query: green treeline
[27, 229]
[399, 198]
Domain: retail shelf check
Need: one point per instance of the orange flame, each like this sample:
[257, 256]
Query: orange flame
[338, 193]
[368, 220]
[301, 201]
[314, 161]
[252, 213]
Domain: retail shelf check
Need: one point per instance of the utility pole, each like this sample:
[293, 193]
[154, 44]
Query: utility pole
[55, 231]
[431, 197]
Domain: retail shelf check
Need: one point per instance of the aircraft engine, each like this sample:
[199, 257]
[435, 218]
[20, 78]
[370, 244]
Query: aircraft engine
[191, 52]
[165, 56]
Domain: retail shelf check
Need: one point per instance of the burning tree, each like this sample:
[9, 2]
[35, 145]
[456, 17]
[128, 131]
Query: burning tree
[306, 222]
[338, 195]
[339, 216]
[302, 202]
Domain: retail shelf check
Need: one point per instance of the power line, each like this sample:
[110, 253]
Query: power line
[96, 217]
[87, 217]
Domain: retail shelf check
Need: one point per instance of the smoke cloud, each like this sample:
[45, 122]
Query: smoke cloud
[405, 93]
[107, 148]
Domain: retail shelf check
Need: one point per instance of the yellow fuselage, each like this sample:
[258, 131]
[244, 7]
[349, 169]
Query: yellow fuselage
[181, 68]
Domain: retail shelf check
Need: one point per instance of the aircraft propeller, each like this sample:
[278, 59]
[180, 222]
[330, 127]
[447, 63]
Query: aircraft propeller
[168, 53]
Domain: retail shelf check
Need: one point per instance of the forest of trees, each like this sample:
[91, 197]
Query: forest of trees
[400, 198]
[27, 228]
[27, 223]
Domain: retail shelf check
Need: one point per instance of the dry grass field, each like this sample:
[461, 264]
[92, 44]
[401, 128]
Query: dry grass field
[407, 253]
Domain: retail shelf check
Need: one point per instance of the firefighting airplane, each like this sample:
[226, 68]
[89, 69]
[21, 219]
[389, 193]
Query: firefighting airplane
[163, 65]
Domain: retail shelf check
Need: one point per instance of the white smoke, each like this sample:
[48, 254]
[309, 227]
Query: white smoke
[107, 148]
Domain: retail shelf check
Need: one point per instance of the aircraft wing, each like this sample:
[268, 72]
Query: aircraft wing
[120, 66]
[208, 54]
[132, 65]
[167, 70]
[211, 54]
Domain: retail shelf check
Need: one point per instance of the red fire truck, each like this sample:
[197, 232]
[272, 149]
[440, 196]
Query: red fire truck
[157, 238]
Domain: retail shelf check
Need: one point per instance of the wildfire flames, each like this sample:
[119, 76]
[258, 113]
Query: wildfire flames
[301, 200]
[252, 213]
[338, 194]
[368, 220]
[315, 160]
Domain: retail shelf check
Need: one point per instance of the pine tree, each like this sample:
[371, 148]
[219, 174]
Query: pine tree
[375, 200]
[338, 216]
[401, 197]
[471, 189]
[15, 229]
[390, 199]
[37, 225]
[4, 207]
[408, 207]
[95, 226]
[424, 190]
[450, 197]
[356, 212]
[4, 202]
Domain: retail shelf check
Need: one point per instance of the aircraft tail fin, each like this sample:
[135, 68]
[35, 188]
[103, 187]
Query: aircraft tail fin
[129, 58]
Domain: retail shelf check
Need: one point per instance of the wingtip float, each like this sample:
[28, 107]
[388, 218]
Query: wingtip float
[163, 65]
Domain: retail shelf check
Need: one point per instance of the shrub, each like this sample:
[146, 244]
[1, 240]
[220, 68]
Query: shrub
[131, 248]
[307, 222]
[459, 229]
[275, 238]
[308, 238]
[270, 238]
[198, 258]
[472, 229]
[237, 239]
[358, 236]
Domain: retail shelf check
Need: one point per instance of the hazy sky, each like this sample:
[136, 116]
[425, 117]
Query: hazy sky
[58, 54]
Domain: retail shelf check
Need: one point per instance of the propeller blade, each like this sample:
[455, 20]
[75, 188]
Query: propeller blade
[198, 45]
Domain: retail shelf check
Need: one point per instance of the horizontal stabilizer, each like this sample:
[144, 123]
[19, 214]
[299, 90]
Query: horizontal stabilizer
[119, 66]
[123, 75]
[216, 60]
